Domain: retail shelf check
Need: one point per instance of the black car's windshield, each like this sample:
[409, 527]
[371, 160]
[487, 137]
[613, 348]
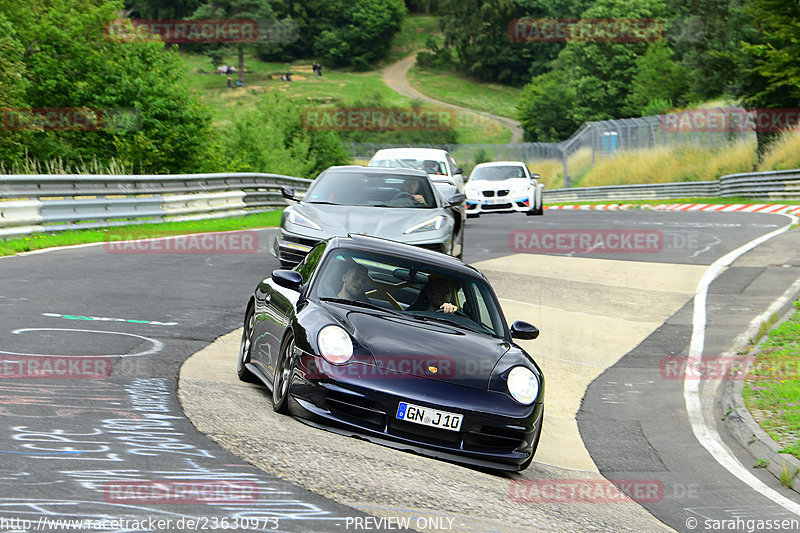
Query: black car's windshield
[497, 173]
[410, 289]
[371, 189]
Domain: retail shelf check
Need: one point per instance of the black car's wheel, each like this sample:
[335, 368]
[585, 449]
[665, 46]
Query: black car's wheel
[280, 382]
[245, 346]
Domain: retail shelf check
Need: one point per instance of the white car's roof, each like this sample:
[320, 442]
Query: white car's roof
[500, 164]
[423, 153]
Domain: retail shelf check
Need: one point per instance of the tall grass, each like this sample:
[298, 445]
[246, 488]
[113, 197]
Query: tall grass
[784, 154]
[552, 170]
[28, 165]
[671, 164]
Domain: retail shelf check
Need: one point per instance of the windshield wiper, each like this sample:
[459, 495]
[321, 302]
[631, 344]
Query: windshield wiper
[357, 304]
[458, 325]
[324, 203]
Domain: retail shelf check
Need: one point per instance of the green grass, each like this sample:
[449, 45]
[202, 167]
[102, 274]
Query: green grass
[772, 389]
[65, 238]
[412, 36]
[336, 88]
[458, 89]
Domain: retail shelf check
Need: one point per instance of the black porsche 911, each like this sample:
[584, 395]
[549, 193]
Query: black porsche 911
[402, 346]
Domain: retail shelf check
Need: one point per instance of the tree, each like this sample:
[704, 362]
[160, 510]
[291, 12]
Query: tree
[657, 77]
[162, 9]
[545, 108]
[705, 35]
[356, 32]
[479, 32]
[70, 62]
[769, 70]
[258, 10]
[12, 89]
[272, 138]
[341, 32]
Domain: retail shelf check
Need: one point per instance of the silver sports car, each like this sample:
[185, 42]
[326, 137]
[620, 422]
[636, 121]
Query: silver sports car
[396, 204]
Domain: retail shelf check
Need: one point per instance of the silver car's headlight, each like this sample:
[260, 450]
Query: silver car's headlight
[299, 220]
[523, 385]
[429, 225]
[334, 344]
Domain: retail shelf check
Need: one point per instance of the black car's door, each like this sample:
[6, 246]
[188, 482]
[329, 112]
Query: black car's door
[275, 310]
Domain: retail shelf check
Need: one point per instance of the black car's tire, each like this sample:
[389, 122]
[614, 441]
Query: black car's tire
[246, 346]
[280, 382]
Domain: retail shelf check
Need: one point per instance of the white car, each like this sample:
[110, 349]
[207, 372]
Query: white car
[438, 164]
[503, 186]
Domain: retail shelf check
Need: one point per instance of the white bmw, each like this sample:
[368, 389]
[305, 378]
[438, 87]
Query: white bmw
[503, 186]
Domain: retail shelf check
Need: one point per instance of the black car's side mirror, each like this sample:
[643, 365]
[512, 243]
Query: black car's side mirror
[288, 192]
[288, 279]
[523, 330]
[458, 198]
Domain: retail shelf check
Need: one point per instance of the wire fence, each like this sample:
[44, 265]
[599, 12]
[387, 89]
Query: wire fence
[700, 128]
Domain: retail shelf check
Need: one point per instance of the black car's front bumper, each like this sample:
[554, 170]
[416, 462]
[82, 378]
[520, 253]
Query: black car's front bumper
[496, 432]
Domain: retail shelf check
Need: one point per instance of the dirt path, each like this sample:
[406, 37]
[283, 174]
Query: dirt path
[394, 76]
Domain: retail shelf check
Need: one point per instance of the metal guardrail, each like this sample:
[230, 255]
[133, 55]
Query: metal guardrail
[774, 185]
[39, 203]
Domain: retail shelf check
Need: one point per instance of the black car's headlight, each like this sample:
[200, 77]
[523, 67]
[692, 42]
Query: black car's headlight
[522, 385]
[334, 344]
[300, 220]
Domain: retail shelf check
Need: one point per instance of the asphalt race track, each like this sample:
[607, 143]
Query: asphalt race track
[105, 435]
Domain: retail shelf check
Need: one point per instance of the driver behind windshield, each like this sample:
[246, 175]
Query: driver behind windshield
[435, 296]
[355, 281]
[412, 188]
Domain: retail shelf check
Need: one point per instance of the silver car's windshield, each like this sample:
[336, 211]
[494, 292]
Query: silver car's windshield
[497, 173]
[409, 289]
[369, 189]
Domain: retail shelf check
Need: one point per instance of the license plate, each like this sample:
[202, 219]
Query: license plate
[493, 201]
[429, 417]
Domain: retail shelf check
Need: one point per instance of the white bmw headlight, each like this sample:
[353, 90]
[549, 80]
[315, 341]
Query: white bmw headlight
[429, 225]
[296, 218]
[523, 385]
[334, 344]
[472, 193]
